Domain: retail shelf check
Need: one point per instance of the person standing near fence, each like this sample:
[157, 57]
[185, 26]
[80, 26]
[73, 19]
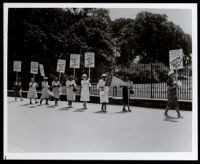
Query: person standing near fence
[172, 86]
[85, 92]
[103, 92]
[71, 91]
[17, 89]
[45, 91]
[126, 91]
[56, 86]
[32, 92]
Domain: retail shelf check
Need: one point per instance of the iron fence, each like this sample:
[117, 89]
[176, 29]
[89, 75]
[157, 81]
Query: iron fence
[149, 81]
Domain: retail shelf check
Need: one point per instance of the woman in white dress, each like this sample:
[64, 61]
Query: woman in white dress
[71, 90]
[56, 86]
[85, 92]
[103, 92]
[32, 93]
[45, 91]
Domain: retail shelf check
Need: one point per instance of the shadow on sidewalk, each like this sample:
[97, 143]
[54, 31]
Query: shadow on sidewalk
[35, 106]
[12, 101]
[122, 112]
[63, 109]
[26, 104]
[170, 119]
[80, 110]
[100, 112]
[51, 106]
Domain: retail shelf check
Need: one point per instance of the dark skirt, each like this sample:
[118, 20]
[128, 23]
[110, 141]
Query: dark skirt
[17, 91]
[172, 98]
[125, 95]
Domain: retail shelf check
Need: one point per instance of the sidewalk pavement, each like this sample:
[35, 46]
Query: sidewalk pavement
[49, 128]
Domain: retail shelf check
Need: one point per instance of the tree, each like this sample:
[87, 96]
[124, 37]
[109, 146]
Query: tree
[46, 34]
[149, 36]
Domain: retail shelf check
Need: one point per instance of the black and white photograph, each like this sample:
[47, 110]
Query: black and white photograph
[100, 81]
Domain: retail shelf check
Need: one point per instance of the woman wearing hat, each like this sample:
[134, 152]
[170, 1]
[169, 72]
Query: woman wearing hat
[56, 86]
[45, 91]
[172, 94]
[103, 92]
[71, 90]
[17, 89]
[85, 93]
[32, 93]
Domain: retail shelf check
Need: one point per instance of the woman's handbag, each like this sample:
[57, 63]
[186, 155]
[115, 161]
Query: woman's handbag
[131, 91]
[74, 89]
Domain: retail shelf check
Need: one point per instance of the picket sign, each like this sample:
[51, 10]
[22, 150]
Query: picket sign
[61, 67]
[176, 60]
[34, 68]
[17, 67]
[74, 62]
[42, 70]
[89, 60]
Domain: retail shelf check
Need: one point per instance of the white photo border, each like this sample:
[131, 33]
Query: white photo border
[109, 156]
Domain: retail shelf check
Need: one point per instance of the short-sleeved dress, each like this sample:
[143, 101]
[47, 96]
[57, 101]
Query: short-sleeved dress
[85, 92]
[103, 91]
[171, 94]
[32, 93]
[56, 86]
[45, 91]
[71, 95]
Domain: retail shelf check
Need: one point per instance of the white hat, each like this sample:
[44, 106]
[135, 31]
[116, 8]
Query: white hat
[104, 74]
[84, 75]
[171, 72]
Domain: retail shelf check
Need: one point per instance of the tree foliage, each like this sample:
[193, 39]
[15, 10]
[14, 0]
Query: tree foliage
[46, 34]
[149, 36]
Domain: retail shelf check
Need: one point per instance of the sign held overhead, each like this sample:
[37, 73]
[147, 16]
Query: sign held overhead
[17, 66]
[41, 70]
[176, 59]
[90, 59]
[74, 60]
[34, 67]
[61, 65]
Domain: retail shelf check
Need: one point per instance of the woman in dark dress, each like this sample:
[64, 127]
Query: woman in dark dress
[18, 89]
[126, 89]
[172, 95]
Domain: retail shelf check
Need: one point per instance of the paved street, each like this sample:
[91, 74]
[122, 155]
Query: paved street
[42, 128]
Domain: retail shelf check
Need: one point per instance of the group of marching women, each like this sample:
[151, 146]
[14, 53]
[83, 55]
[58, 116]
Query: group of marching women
[70, 84]
[71, 89]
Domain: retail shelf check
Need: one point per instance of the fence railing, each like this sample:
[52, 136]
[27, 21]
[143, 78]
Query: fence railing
[154, 91]
[149, 82]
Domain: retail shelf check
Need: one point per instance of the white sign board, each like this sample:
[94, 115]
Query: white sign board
[89, 59]
[74, 60]
[17, 66]
[61, 65]
[176, 59]
[34, 67]
[41, 70]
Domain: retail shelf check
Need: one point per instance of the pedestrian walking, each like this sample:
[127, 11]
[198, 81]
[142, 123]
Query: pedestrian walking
[18, 89]
[172, 86]
[126, 91]
[32, 92]
[45, 91]
[71, 90]
[56, 86]
[85, 92]
[103, 92]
